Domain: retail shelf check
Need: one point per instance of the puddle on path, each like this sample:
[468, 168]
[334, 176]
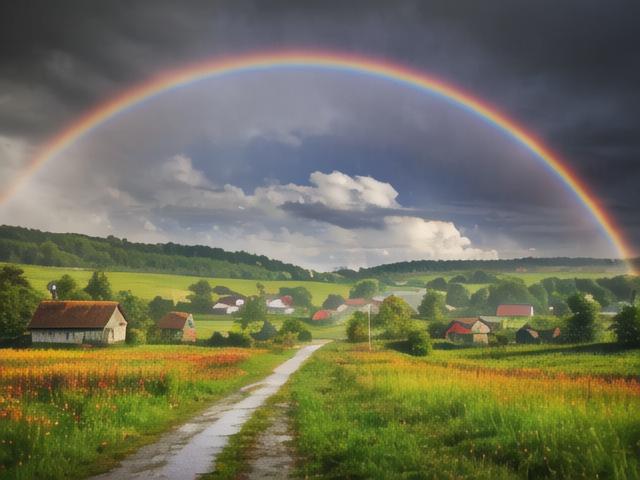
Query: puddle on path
[191, 449]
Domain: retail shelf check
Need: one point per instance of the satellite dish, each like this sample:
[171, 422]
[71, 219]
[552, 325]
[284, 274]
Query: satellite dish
[51, 286]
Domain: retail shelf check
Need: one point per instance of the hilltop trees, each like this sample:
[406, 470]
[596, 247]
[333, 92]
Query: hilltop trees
[17, 301]
[364, 289]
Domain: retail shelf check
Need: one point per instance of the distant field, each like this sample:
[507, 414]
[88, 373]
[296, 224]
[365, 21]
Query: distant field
[528, 277]
[207, 324]
[148, 285]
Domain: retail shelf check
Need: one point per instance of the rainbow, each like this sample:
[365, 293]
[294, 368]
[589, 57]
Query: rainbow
[320, 60]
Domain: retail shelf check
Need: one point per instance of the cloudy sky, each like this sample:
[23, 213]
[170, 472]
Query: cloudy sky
[322, 168]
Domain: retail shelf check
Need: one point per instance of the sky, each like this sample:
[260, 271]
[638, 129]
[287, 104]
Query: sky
[320, 168]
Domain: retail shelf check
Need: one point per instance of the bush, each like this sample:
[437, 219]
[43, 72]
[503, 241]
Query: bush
[291, 325]
[288, 339]
[502, 339]
[626, 326]
[419, 343]
[267, 332]
[239, 339]
[304, 336]
[358, 328]
[135, 336]
[217, 340]
[437, 329]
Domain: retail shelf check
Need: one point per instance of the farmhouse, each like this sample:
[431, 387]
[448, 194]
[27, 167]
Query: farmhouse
[178, 326]
[282, 305]
[322, 315]
[514, 310]
[468, 330]
[232, 300]
[78, 322]
[224, 309]
[527, 334]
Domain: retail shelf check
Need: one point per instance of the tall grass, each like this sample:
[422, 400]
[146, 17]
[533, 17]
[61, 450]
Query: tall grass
[67, 413]
[387, 415]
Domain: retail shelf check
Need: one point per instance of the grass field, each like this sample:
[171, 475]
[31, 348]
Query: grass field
[175, 287]
[69, 412]
[383, 414]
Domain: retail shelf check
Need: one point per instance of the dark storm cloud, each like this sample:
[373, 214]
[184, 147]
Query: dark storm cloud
[568, 70]
[371, 217]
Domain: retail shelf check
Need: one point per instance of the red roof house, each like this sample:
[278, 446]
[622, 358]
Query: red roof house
[321, 315]
[178, 326]
[468, 330]
[355, 302]
[515, 310]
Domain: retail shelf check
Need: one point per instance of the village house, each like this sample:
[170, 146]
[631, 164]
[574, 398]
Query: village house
[282, 305]
[322, 315]
[228, 305]
[468, 330]
[514, 310]
[78, 322]
[527, 335]
[178, 326]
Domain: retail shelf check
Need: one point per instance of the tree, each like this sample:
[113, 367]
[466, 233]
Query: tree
[201, 297]
[255, 310]
[99, 287]
[438, 283]
[394, 317]
[480, 276]
[364, 289]
[67, 289]
[581, 324]
[18, 301]
[458, 279]
[457, 295]
[540, 294]
[432, 306]
[510, 291]
[419, 343]
[600, 294]
[626, 326]
[478, 300]
[300, 295]
[261, 289]
[358, 328]
[437, 329]
[135, 309]
[333, 301]
[267, 332]
[159, 307]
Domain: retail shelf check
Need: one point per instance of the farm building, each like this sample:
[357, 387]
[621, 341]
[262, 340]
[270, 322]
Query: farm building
[322, 315]
[355, 302]
[514, 310]
[78, 322]
[232, 300]
[468, 330]
[282, 305]
[527, 334]
[178, 326]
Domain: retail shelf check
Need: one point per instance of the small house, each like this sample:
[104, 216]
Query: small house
[224, 309]
[549, 335]
[468, 330]
[232, 300]
[527, 335]
[322, 315]
[514, 310]
[78, 322]
[283, 305]
[178, 326]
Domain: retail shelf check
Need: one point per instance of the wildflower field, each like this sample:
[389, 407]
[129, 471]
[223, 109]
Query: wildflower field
[384, 414]
[67, 413]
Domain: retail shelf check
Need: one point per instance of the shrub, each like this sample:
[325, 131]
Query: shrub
[135, 336]
[502, 339]
[419, 343]
[437, 329]
[267, 332]
[239, 339]
[626, 326]
[291, 325]
[217, 340]
[288, 339]
[304, 336]
[358, 328]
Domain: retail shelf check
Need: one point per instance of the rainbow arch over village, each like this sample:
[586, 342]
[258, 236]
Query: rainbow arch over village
[330, 61]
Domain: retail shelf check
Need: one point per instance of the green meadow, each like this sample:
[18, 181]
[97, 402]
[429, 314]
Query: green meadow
[175, 287]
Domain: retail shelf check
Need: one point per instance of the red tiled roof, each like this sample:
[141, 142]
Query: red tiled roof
[73, 314]
[355, 302]
[467, 320]
[173, 320]
[457, 328]
[287, 300]
[514, 310]
[321, 315]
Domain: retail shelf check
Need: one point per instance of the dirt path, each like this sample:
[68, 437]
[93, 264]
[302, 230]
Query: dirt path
[191, 449]
[272, 456]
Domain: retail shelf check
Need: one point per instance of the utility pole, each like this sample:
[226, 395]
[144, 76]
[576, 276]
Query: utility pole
[369, 319]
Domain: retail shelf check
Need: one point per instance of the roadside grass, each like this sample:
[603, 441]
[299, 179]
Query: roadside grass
[175, 287]
[383, 414]
[234, 460]
[70, 413]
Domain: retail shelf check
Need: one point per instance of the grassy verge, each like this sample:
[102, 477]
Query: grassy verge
[73, 413]
[387, 415]
[234, 460]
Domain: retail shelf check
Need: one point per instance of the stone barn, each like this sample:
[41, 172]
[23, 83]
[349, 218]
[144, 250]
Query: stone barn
[178, 326]
[78, 322]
